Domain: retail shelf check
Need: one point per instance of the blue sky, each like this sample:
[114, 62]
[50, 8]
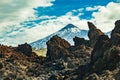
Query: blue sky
[30, 20]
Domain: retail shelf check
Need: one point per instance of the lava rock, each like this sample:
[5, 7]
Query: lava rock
[25, 49]
[93, 33]
[80, 41]
[115, 35]
[57, 48]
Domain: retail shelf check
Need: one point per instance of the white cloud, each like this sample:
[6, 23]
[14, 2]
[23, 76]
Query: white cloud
[103, 19]
[44, 28]
[106, 16]
[12, 12]
[78, 10]
[92, 8]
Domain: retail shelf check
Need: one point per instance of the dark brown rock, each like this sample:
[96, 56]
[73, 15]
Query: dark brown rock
[93, 33]
[25, 49]
[115, 35]
[106, 53]
[99, 48]
[80, 41]
[57, 48]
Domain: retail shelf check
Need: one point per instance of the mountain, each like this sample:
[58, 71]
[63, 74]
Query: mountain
[67, 33]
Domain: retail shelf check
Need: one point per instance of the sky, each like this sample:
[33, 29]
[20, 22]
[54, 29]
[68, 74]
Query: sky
[30, 20]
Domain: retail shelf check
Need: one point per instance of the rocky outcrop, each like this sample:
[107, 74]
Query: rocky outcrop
[93, 33]
[115, 35]
[106, 52]
[57, 48]
[80, 41]
[105, 56]
[101, 45]
[25, 49]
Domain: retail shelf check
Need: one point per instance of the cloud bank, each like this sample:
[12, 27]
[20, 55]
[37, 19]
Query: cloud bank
[13, 12]
[102, 16]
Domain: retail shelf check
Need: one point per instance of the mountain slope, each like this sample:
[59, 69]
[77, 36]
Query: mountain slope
[67, 33]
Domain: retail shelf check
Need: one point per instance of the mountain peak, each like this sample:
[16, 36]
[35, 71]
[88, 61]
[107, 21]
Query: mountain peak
[69, 26]
[68, 33]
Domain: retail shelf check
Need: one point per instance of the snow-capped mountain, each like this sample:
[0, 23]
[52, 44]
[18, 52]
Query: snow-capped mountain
[67, 33]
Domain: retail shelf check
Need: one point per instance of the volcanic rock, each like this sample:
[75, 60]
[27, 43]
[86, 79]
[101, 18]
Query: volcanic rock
[25, 49]
[115, 35]
[100, 46]
[57, 48]
[105, 55]
[93, 33]
[80, 41]
[106, 52]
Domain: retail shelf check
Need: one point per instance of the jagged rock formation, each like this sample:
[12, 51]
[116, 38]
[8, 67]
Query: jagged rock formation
[80, 41]
[115, 35]
[105, 56]
[57, 48]
[107, 51]
[101, 45]
[93, 33]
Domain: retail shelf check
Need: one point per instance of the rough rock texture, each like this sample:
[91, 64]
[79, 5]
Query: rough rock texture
[105, 56]
[93, 33]
[57, 48]
[101, 45]
[25, 48]
[107, 51]
[80, 41]
[115, 35]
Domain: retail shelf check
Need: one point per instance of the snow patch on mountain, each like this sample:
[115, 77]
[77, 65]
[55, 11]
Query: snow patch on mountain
[67, 33]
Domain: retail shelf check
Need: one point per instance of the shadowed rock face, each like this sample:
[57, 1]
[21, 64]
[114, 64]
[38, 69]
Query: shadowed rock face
[115, 35]
[100, 46]
[56, 48]
[80, 41]
[105, 54]
[107, 51]
[93, 33]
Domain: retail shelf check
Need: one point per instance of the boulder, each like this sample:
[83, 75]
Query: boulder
[57, 48]
[80, 41]
[25, 49]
